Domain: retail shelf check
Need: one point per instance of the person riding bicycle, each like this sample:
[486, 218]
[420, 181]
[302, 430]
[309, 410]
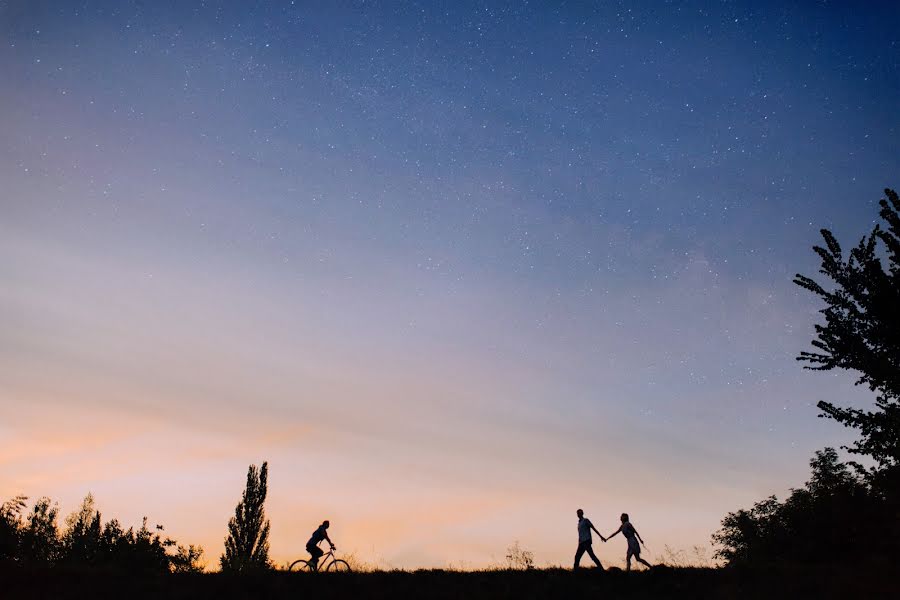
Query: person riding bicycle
[312, 546]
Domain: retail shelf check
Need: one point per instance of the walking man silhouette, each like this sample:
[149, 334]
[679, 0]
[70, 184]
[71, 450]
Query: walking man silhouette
[584, 540]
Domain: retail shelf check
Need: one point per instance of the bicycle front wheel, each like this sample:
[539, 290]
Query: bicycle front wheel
[339, 566]
[301, 566]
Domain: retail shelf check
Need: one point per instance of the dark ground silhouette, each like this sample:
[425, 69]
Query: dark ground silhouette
[870, 581]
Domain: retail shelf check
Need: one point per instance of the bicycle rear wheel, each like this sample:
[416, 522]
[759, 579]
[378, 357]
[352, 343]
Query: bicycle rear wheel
[339, 566]
[301, 566]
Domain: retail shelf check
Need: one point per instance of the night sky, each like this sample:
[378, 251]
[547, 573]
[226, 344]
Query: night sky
[454, 269]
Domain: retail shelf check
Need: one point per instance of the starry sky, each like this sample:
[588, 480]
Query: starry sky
[454, 269]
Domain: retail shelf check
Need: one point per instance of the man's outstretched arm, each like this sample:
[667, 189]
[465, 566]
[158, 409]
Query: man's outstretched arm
[597, 532]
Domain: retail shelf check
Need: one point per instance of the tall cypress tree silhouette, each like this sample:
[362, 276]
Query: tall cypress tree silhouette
[247, 544]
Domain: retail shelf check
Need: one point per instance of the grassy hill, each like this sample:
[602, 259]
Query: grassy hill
[661, 583]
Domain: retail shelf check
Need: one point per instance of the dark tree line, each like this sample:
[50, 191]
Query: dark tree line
[35, 539]
[846, 512]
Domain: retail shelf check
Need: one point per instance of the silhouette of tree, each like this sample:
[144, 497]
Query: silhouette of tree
[821, 515]
[40, 543]
[862, 331]
[86, 542]
[187, 559]
[11, 527]
[745, 535]
[247, 544]
[149, 548]
[82, 539]
[829, 474]
[113, 545]
[142, 550]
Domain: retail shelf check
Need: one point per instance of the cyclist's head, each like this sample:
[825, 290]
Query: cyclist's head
[325, 524]
[580, 513]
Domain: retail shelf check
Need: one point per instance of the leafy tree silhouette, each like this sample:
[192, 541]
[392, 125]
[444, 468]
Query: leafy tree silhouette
[141, 550]
[247, 544]
[82, 539]
[187, 559]
[801, 527]
[862, 331]
[40, 543]
[11, 528]
[86, 542]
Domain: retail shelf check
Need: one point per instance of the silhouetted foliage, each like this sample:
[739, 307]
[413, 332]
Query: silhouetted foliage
[81, 540]
[843, 515]
[518, 557]
[11, 528]
[133, 550]
[247, 544]
[39, 543]
[86, 542]
[862, 332]
[831, 519]
[187, 559]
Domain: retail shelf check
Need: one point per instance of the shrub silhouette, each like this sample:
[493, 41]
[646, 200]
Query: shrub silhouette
[87, 543]
[518, 557]
[823, 515]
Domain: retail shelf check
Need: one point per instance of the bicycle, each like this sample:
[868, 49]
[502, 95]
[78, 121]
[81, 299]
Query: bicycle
[335, 566]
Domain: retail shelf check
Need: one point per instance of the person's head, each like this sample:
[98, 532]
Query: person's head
[325, 524]
[624, 517]
[580, 513]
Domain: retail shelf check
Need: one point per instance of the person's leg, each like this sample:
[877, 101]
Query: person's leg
[315, 552]
[578, 554]
[590, 551]
[637, 557]
[628, 560]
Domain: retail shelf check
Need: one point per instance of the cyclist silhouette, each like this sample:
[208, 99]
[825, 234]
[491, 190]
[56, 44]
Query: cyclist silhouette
[312, 546]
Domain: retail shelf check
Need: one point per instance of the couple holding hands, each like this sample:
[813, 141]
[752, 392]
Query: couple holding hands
[626, 528]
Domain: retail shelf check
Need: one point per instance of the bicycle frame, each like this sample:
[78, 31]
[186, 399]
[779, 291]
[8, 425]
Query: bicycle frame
[324, 558]
[323, 564]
